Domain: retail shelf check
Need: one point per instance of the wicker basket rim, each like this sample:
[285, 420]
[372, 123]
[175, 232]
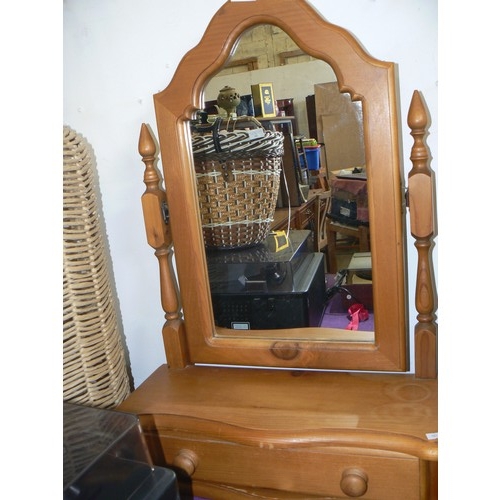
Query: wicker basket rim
[228, 155]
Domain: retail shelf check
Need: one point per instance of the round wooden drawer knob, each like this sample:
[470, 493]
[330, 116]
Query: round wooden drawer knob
[285, 350]
[354, 482]
[186, 460]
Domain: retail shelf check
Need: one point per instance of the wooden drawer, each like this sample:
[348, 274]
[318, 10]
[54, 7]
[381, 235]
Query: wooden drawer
[304, 216]
[329, 471]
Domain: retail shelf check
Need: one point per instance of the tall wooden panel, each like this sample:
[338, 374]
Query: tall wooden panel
[339, 123]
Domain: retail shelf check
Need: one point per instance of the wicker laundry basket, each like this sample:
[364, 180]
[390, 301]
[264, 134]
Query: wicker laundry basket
[238, 180]
[94, 365]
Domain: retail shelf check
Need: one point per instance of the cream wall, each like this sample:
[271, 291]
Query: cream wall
[118, 53]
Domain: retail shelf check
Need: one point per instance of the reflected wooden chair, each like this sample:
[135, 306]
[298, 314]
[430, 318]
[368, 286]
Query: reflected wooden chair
[333, 228]
[322, 204]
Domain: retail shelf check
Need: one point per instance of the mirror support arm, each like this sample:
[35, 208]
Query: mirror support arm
[156, 220]
[422, 224]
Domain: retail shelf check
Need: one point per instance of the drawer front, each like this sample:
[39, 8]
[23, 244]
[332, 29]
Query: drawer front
[304, 216]
[320, 471]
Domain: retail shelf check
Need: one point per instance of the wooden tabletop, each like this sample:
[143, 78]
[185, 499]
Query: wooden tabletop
[396, 412]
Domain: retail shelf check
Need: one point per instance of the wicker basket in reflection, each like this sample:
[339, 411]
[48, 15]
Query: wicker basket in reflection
[238, 180]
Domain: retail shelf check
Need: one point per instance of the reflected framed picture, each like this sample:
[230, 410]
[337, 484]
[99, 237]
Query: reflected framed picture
[263, 100]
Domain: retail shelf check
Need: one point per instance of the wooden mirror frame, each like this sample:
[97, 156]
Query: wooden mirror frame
[196, 339]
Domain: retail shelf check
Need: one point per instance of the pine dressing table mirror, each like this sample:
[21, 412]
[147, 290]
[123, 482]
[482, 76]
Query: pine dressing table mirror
[306, 412]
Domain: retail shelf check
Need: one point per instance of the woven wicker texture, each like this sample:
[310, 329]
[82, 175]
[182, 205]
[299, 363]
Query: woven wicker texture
[94, 365]
[238, 187]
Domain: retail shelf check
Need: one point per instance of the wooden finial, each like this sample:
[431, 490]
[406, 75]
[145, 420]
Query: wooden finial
[421, 205]
[154, 207]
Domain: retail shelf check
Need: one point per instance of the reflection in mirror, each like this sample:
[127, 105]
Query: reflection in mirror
[311, 270]
[371, 81]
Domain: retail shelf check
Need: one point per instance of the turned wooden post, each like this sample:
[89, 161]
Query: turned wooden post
[155, 210]
[421, 205]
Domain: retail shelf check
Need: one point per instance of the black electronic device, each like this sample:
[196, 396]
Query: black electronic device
[267, 266]
[105, 457]
[278, 284]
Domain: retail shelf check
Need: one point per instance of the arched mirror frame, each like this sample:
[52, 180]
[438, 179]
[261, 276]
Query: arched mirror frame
[364, 78]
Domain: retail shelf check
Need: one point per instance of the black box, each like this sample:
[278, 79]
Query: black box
[269, 265]
[106, 458]
[349, 200]
[298, 302]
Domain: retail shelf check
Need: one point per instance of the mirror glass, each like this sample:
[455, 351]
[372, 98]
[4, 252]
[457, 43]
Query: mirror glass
[265, 286]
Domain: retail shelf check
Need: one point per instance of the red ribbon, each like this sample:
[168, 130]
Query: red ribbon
[357, 313]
